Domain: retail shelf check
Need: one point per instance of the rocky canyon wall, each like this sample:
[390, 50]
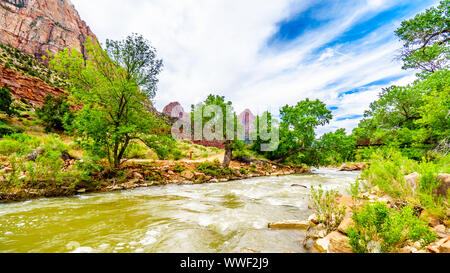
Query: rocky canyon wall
[35, 26]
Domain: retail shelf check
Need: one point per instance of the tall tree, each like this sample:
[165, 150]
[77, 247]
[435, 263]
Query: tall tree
[298, 125]
[113, 110]
[139, 59]
[221, 130]
[426, 38]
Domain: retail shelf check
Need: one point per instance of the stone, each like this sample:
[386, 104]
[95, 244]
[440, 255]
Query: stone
[412, 180]
[138, 176]
[339, 243]
[407, 250]
[345, 200]
[33, 156]
[214, 181]
[432, 221]
[309, 243]
[345, 225]
[441, 231]
[445, 248]
[81, 191]
[6, 170]
[444, 179]
[187, 174]
[322, 245]
[313, 219]
[292, 224]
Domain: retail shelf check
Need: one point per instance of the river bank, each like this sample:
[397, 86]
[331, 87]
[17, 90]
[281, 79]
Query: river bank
[322, 239]
[155, 173]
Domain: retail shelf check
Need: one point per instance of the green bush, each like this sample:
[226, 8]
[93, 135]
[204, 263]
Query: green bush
[179, 168]
[326, 207]
[382, 229]
[55, 113]
[6, 101]
[388, 171]
[214, 169]
[135, 151]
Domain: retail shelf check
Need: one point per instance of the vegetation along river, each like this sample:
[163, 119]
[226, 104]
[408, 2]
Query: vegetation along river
[226, 217]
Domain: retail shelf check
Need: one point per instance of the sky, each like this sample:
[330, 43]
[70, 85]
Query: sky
[263, 55]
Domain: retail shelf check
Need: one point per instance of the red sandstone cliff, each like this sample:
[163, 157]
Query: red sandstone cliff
[35, 26]
[30, 88]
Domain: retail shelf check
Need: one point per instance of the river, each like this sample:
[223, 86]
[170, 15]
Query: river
[225, 217]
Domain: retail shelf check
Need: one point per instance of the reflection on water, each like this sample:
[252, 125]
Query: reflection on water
[227, 217]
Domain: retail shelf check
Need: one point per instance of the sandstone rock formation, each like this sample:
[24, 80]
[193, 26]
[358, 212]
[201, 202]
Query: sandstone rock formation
[30, 88]
[35, 26]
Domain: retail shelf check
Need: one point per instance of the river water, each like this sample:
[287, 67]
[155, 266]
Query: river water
[226, 217]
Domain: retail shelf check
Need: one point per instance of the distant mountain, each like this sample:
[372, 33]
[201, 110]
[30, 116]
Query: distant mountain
[35, 26]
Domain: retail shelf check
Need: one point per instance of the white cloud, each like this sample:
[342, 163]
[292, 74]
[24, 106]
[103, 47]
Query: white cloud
[220, 46]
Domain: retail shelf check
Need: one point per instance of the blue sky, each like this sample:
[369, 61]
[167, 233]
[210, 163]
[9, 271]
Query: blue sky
[263, 55]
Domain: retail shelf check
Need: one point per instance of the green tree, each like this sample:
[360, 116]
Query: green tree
[139, 59]
[223, 132]
[6, 101]
[426, 38]
[114, 109]
[55, 113]
[335, 148]
[298, 125]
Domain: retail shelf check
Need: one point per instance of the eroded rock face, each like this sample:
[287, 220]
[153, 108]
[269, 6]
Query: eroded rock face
[443, 190]
[32, 89]
[35, 26]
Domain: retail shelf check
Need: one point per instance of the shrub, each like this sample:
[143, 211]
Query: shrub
[179, 168]
[55, 113]
[378, 225]
[388, 171]
[135, 151]
[214, 169]
[326, 207]
[6, 101]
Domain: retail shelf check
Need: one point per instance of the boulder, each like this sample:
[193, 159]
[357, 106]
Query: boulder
[345, 225]
[441, 231]
[33, 156]
[322, 245]
[412, 180]
[345, 200]
[293, 224]
[339, 243]
[138, 176]
[313, 219]
[445, 247]
[346, 168]
[187, 174]
[444, 179]
[351, 168]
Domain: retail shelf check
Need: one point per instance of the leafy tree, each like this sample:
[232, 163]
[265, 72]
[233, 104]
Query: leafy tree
[335, 148]
[55, 113]
[297, 127]
[6, 101]
[114, 111]
[412, 116]
[222, 133]
[426, 39]
[138, 58]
